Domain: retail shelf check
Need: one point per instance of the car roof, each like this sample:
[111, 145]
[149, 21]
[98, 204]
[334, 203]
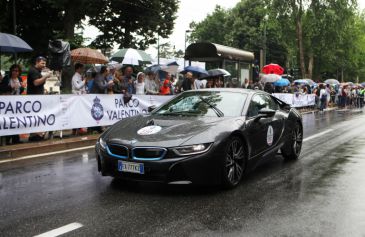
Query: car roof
[239, 90]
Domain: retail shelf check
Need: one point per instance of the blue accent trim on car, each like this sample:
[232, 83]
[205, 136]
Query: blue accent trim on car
[164, 151]
[116, 156]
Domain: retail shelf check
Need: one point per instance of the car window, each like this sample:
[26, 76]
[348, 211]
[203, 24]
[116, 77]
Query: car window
[260, 101]
[257, 103]
[272, 103]
[205, 103]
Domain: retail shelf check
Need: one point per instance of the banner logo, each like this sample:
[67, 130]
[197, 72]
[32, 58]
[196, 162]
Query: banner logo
[97, 110]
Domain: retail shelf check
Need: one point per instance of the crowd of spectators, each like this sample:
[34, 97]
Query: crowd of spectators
[126, 81]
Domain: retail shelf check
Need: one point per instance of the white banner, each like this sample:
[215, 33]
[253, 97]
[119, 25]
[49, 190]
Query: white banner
[39, 113]
[297, 100]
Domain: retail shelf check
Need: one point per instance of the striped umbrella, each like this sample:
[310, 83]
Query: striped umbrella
[131, 56]
[88, 56]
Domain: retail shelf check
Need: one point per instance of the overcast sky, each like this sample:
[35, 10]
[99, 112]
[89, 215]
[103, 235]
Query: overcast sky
[189, 10]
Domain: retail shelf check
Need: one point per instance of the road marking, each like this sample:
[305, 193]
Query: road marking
[317, 135]
[47, 154]
[60, 231]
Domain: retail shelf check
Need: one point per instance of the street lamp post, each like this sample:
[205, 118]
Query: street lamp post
[158, 49]
[14, 26]
[187, 31]
[265, 39]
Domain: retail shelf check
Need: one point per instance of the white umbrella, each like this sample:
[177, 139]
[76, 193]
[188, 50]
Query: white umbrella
[332, 81]
[270, 78]
[115, 65]
[131, 56]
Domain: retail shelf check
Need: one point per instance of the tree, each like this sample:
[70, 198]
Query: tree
[213, 28]
[242, 27]
[71, 13]
[135, 24]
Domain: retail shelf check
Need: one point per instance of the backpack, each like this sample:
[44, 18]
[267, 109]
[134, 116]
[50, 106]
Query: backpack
[324, 96]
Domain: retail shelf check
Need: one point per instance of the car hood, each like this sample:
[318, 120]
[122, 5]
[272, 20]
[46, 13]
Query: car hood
[175, 131]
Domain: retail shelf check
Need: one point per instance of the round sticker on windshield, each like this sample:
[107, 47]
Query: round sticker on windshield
[149, 130]
[270, 136]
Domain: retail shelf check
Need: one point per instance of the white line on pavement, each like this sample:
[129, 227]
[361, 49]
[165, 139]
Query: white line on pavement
[89, 147]
[47, 154]
[317, 135]
[62, 230]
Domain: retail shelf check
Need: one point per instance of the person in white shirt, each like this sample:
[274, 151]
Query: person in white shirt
[78, 83]
[139, 84]
[151, 86]
[196, 84]
[322, 97]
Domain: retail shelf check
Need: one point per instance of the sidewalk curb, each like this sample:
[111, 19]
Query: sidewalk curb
[21, 150]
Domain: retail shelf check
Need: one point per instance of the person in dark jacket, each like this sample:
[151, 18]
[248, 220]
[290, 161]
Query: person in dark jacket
[12, 85]
[269, 88]
[101, 84]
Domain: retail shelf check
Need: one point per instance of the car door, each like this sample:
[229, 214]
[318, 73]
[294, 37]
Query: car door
[276, 122]
[263, 133]
[257, 129]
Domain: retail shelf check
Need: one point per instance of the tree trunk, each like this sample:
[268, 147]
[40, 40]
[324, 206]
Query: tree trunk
[69, 21]
[310, 66]
[300, 44]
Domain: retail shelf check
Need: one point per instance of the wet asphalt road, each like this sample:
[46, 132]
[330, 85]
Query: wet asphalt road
[321, 194]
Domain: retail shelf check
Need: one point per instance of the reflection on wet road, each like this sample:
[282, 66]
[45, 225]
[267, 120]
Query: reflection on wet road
[322, 194]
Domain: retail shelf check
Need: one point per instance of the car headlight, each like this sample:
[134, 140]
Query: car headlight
[102, 143]
[192, 149]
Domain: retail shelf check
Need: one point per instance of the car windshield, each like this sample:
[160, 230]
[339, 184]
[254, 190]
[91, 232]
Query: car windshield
[205, 103]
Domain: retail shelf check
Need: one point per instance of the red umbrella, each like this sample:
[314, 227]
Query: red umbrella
[273, 68]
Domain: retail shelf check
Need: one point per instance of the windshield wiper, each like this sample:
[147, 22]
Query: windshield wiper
[217, 111]
[181, 112]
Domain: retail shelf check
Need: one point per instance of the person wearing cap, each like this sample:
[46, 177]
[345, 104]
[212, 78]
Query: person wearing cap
[165, 88]
[35, 78]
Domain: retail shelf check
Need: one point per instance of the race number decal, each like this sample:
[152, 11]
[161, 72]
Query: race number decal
[270, 136]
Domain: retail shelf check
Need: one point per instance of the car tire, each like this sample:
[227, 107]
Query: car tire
[291, 149]
[234, 162]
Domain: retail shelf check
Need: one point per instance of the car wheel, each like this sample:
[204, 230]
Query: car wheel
[234, 162]
[291, 149]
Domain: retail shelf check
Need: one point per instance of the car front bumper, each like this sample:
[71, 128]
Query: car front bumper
[201, 169]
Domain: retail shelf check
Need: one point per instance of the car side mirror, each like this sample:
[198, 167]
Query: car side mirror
[266, 113]
[151, 108]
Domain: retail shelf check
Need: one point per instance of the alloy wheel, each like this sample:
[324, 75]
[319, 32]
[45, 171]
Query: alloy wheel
[235, 163]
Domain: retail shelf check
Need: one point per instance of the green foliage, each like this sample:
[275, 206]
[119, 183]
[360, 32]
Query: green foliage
[128, 23]
[134, 24]
[333, 34]
[214, 28]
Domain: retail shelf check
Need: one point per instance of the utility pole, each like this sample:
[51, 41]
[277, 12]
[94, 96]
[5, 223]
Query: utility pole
[158, 49]
[14, 25]
[187, 31]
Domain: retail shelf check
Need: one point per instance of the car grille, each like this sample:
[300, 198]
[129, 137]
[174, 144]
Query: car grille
[118, 151]
[148, 153]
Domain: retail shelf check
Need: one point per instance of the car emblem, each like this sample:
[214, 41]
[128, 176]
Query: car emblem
[133, 141]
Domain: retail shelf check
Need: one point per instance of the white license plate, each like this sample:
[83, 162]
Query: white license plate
[130, 167]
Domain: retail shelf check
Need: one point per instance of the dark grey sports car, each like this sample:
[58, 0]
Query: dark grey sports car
[209, 136]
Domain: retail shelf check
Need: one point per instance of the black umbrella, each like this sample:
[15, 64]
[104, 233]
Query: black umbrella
[217, 72]
[12, 44]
